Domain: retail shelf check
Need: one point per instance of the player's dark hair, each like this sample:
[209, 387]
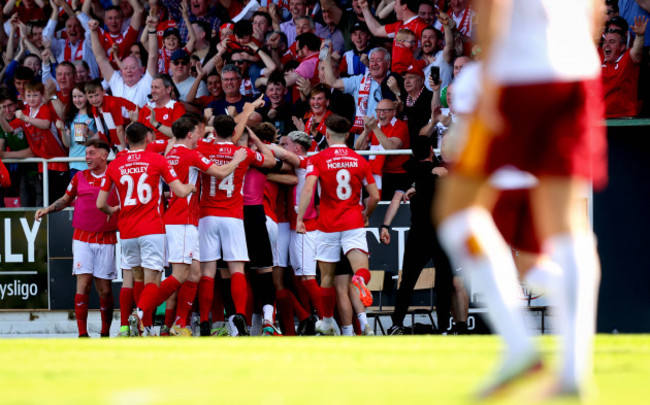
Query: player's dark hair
[277, 77]
[265, 131]
[136, 133]
[99, 144]
[182, 126]
[197, 118]
[338, 124]
[224, 126]
[308, 39]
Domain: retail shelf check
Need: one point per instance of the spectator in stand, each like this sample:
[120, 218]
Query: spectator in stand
[213, 84]
[132, 82]
[334, 33]
[277, 110]
[355, 61]
[341, 103]
[79, 127]
[416, 101]
[24, 176]
[465, 18]
[71, 44]
[250, 72]
[82, 72]
[231, 79]
[163, 109]
[403, 49]
[262, 25]
[319, 102]
[109, 113]
[199, 11]
[37, 121]
[22, 76]
[180, 73]
[433, 52]
[407, 16]
[367, 89]
[298, 9]
[28, 10]
[386, 132]
[620, 69]
[115, 35]
[630, 9]
[307, 49]
[203, 35]
[345, 20]
[427, 13]
[612, 8]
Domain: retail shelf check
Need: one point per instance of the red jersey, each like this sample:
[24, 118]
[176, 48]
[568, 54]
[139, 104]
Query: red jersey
[186, 163]
[5, 180]
[223, 197]
[160, 29]
[311, 215]
[390, 164]
[123, 41]
[159, 146]
[137, 174]
[271, 190]
[620, 83]
[114, 112]
[166, 115]
[45, 143]
[414, 24]
[342, 173]
[108, 237]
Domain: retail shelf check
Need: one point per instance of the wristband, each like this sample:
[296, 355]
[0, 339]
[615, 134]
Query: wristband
[78, 9]
[151, 32]
[385, 226]
[158, 125]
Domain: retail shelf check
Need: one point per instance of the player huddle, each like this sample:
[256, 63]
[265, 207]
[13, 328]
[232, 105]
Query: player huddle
[238, 204]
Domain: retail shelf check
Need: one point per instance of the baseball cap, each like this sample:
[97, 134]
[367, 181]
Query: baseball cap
[171, 31]
[180, 54]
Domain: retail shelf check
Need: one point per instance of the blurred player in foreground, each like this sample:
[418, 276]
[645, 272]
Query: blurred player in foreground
[540, 112]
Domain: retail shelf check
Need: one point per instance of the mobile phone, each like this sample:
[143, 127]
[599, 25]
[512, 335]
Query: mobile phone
[435, 74]
[325, 49]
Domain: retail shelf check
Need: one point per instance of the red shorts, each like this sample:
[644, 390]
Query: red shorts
[552, 129]
[513, 217]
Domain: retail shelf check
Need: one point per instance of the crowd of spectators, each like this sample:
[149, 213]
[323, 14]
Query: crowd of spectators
[73, 70]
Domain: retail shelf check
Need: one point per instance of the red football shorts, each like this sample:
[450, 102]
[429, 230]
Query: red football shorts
[553, 129]
[513, 217]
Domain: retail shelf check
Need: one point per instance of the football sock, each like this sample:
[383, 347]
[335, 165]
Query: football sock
[329, 298]
[239, 292]
[138, 287]
[206, 294]
[170, 314]
[106, 306]
[166, 289]
[347, 330]
[315, 295]
[266, 294]
[81, 312]
[226, 296]
[576, 301]
[472, 240]
[184, 301]
[544, 277]
[363, 321]
[303, 293]
[126, 305]
[298, 310]
[285, 312]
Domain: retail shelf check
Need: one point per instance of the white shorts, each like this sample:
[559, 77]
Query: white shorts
[284, 240]
[147, 251]
[303, 253]
[182, 243]
[94, 258]
[272, 229]
[222, 234]
[329, 245]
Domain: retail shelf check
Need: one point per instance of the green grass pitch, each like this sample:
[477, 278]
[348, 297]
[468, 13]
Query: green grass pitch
[317, 370]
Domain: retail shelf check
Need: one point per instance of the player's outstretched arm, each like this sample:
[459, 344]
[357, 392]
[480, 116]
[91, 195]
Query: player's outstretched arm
[305, 199]
[57, 205]
[284, 154]
[180, 189]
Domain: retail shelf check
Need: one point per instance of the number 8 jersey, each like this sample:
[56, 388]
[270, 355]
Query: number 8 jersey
[136, 175]
[223, 198]
[342, 173]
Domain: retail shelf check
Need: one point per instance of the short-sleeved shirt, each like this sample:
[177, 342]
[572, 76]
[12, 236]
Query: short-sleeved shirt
[137, 93]
[219, 106]
[395, 129]
[166, 115]
[108, 237]
[79, 149]
[136, 174]
[187, 164]
[342, 173]
[415, 24]
[223, 197]
[620, 81]
[115, 111]
[45, 143]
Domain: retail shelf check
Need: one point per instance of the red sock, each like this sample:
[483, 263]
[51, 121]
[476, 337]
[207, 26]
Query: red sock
[239, 292]
[147, 319]
[184, 301]
[148, 297]
[206, 294]
[283, 299]
[364, 273]
[170, 314]
[138, 287]
[297, 308]
[167, 288]
[81, 312]
[316, 296]
[329, 298]
[217, 304]
[303, 293]
[126, 305]
[106, 306]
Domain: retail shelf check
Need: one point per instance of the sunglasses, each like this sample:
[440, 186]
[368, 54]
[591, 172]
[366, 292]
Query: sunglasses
[181, 62]
[239, 62]
[614, 31]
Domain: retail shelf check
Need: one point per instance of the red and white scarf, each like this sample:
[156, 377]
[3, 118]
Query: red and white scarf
[362, 102]
[67, 52]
